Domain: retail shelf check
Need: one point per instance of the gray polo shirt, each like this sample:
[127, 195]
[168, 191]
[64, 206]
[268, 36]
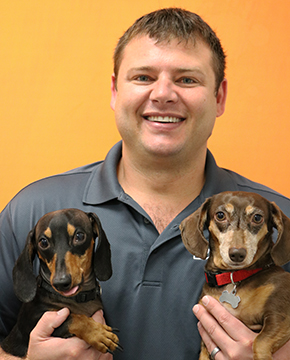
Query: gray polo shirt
[155, 281]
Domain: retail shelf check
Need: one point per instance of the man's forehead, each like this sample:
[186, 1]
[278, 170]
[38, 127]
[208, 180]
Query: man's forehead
[169, 42]
[142, 43]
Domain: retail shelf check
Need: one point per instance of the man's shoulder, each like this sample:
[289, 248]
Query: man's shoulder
[59, 181]
[245, 184]
[59, 190]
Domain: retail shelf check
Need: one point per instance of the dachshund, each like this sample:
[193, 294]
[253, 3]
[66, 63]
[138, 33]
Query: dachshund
[243, 270]
[64, 242]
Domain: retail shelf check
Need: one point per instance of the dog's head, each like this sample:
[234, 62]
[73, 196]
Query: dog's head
[240, 228]
[64, 241]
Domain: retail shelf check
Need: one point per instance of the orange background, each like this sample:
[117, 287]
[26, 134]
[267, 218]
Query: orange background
[55, 68]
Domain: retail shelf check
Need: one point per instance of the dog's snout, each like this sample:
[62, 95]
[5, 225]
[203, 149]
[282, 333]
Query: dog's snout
[237, 255]
[63, 282]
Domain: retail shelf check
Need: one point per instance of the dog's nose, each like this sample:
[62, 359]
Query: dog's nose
[62, 283]
[237, 255]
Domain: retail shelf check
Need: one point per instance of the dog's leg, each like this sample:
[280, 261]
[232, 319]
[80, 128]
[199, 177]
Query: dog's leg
[275, 334]
[96, 334]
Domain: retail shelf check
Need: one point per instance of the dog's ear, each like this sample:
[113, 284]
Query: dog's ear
[102, 257]
[24, 280]
[281, 250]
[192, 231]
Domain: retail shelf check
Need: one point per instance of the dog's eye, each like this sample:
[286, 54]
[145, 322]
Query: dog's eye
[257, 218]
[220, 216]
[43, 243]
[79, 238]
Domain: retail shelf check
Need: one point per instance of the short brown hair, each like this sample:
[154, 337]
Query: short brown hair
[174, 23]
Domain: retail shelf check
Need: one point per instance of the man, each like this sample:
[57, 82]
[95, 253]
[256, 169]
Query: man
[168, 88]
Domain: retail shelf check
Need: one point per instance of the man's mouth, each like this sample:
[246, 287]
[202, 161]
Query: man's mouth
[164, 119]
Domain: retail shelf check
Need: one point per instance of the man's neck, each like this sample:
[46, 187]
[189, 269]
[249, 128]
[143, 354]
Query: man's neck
[163, 188]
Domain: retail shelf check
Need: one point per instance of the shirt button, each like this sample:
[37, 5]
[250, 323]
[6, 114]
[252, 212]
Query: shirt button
[146, 221]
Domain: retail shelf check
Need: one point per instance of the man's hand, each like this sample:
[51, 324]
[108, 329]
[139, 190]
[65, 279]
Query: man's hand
[43, 346]
[218, 328]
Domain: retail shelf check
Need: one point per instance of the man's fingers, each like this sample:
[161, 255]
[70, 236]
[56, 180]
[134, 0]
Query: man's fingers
[219, 328]
[210, 345]
[210, 330]
[232, 326]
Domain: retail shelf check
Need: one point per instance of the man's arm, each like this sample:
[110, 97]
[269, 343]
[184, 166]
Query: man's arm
[218, 328]
[43, 346]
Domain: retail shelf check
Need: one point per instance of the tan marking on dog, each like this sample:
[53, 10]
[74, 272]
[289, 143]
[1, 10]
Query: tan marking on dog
[263, 232]
[79, 267]
[213, 228]
[253, 241]
[230, 208]
[251, 307]
[249, 210]
[41, 257]
[70, 229]
[48, 233]
[223, 241]
[51, 266]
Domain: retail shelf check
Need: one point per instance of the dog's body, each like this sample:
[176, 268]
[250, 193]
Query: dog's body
[243, 269]
[64, 241]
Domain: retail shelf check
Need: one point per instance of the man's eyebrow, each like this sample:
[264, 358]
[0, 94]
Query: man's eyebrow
[142, 68]
[177, 70]
[189, 70]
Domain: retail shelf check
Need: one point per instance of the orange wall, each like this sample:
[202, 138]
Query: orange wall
[55, 68]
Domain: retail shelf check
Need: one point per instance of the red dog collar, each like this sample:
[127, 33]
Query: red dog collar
[220, 279]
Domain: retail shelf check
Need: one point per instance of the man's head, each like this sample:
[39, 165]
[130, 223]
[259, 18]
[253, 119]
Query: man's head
[170, 24]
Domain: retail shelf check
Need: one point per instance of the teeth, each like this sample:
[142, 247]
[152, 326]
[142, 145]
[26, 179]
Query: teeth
[165, 119]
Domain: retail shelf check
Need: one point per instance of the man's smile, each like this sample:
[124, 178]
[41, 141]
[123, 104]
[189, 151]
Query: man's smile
[164, 119]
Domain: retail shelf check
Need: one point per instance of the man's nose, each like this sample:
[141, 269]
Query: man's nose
[164, 91]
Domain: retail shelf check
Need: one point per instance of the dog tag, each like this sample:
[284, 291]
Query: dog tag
[230, 298]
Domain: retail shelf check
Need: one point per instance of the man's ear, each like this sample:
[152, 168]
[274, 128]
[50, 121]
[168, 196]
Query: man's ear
[113, 91]
[221, 97]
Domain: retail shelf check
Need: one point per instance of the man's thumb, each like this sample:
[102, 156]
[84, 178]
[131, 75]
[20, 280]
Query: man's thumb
[50, 321]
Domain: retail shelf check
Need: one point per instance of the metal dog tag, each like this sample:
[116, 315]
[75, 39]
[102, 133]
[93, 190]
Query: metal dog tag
[230, 298]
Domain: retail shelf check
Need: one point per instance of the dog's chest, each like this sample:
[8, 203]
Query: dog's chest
[250, 309]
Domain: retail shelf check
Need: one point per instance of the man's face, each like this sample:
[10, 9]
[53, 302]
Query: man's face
[164, 98]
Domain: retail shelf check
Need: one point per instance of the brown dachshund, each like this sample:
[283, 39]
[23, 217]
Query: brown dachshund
[243, 269]
[64, 241]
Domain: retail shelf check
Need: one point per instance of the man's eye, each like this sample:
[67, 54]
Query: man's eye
[188, 81]
[143, 78]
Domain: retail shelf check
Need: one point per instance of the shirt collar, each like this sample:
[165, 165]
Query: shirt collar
[103, 184]
[217, 179]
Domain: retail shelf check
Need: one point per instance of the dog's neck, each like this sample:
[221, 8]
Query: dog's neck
[216, 277]
[224, 278]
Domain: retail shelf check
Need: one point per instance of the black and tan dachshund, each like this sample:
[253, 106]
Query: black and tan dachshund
[243, 269]
[64, 241]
